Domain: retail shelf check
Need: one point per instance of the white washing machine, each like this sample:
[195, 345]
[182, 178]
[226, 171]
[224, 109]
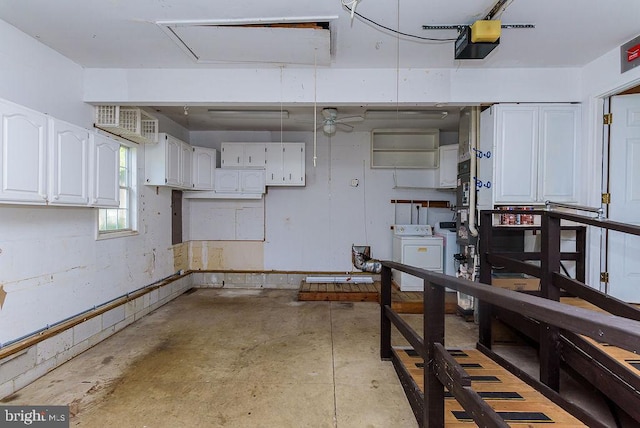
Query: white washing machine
[415, 245]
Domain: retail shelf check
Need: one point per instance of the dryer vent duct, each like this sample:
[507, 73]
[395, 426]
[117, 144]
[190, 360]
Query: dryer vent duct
[360, 257]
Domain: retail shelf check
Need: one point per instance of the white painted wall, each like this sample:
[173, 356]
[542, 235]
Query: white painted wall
[600, 79]
[312, 228]
[51, 265]
[332, 86]
[39, 78]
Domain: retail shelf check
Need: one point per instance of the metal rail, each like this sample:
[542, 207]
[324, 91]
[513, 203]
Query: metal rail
[550, 313]
[599, 211]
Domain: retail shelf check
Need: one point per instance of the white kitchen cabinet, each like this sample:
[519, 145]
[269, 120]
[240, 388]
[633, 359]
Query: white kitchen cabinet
[239, 181]
[48, 161]
[69, 164]
[203, 168]
[448, 166]
[285, 164]
[528, 154]
[163, 165]
[23, 155]
[243, 155]
[105, 167]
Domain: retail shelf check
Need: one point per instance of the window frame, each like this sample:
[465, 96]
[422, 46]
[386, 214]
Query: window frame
[132, 203]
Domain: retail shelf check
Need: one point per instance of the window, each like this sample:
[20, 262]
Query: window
[121, 219]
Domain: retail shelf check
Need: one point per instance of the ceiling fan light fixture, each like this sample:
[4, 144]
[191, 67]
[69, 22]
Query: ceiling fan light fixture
[405, 114]
[250, 114]
[329, 128]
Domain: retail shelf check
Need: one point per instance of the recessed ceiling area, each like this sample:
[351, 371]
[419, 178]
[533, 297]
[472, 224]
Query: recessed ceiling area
[302, 41]
[301, 118]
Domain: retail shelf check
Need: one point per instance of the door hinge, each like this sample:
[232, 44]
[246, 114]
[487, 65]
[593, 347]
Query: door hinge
[606, 198]
[608, 118]
[604, 277]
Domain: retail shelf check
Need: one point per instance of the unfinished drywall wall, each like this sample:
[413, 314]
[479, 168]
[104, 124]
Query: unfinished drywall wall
[52, 267]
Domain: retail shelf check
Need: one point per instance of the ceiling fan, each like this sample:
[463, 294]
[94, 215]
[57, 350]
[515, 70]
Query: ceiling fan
[331, 122]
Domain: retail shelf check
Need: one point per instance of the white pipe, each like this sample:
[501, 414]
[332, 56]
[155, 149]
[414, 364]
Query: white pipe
[473, 140]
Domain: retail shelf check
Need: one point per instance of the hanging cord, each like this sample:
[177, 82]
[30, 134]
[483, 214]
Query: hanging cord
[413, 36]
[315, 109]
[281, 118]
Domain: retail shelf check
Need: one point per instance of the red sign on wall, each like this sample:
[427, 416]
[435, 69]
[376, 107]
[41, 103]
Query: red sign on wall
[630, 55]
[633, 53]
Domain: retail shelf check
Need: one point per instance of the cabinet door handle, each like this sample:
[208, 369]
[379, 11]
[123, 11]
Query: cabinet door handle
[272, 175]
[249, 159]
[289, 177]
[238, 159]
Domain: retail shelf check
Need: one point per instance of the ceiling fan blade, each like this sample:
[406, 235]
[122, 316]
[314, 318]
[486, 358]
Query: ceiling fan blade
[348, 119]
[344, 127]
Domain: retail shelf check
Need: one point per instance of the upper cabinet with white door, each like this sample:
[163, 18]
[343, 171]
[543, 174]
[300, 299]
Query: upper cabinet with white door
[105, 164]
[448, 166]
[69, 156]
[243, 155]
[165, 163]
[528, 154]
[204, 163]
[23, 151]
[285, 164]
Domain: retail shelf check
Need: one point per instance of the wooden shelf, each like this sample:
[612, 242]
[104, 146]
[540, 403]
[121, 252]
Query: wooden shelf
[423, 203]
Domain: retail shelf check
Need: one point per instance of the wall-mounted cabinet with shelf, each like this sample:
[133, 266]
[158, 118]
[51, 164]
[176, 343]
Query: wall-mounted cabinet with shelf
[405, 148]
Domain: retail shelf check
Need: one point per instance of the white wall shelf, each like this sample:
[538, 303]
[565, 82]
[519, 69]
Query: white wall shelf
[405, 148]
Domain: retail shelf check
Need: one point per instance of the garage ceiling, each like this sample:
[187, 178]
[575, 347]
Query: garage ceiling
[213, 33]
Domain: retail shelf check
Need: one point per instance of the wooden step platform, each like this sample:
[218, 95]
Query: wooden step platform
[519, 404]
[404, 302]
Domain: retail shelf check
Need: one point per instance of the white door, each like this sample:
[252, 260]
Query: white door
[252, 181]
[516, 170]
[293, 164]
[106, 171]
[254, 155]
[232, 155]
[274, 174]
[227, 180]
[624, 186]
[559, 139]
[186, 158]
[204, 164]
[173, 166]
[69, 172]
[23, 145]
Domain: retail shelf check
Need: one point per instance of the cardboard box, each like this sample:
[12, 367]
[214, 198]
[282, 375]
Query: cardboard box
[518, 283]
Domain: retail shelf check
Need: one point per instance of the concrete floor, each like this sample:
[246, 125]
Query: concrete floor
[234, 358]
[243, 358]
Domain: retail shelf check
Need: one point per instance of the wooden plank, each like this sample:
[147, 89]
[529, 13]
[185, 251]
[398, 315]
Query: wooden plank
[532, 401]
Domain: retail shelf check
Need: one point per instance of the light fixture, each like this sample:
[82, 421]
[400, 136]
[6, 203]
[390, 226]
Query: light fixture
[250, 114]
[329, 128]
[405, 114]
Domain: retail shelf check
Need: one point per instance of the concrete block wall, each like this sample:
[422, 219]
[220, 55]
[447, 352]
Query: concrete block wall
[22, 368]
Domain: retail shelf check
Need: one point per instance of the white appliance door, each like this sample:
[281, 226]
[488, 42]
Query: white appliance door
[425, 255]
